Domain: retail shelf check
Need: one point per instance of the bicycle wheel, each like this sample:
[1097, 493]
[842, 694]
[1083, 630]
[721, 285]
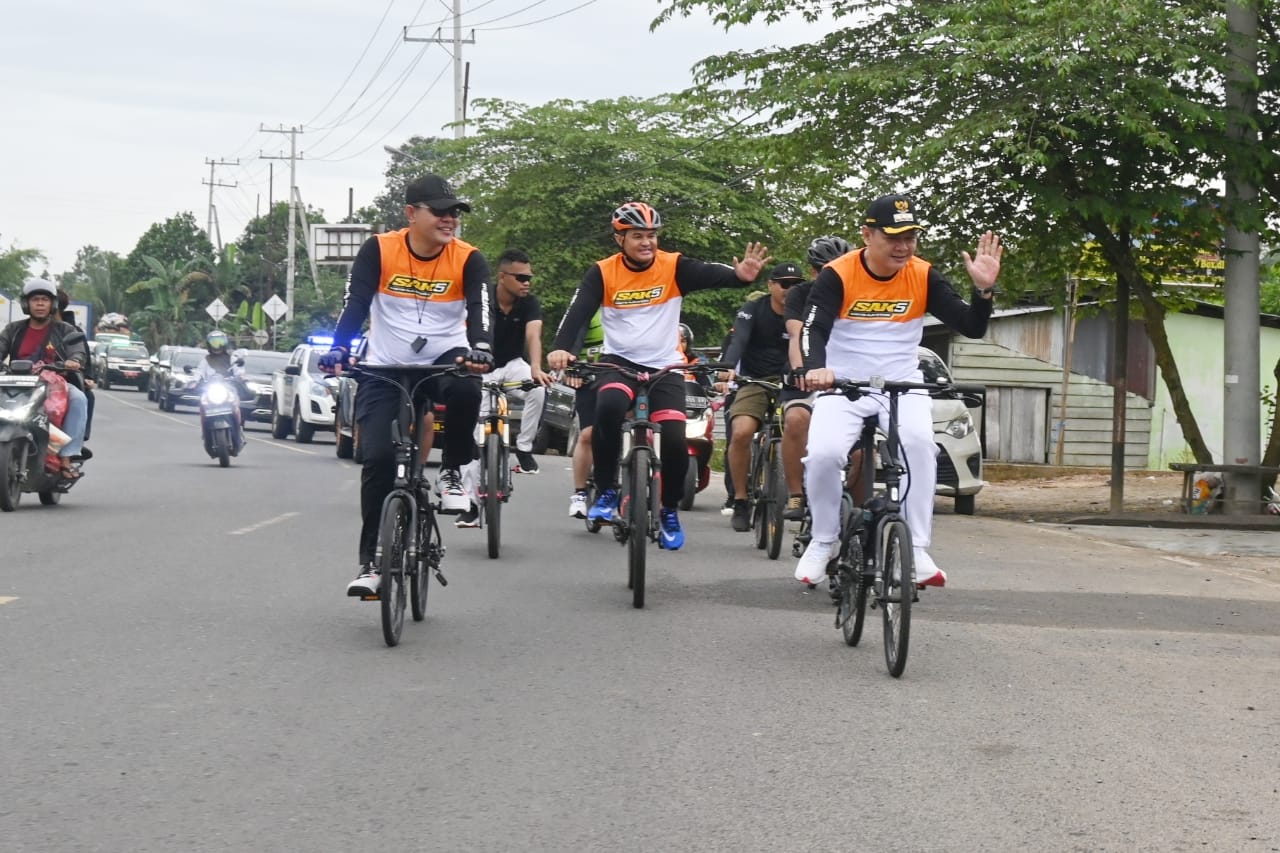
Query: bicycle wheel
[896, 592]
[393, 537]
[493, 488]
[775, 489]
[757, 495]
[851, 612]
[638, 522]
[428, 555]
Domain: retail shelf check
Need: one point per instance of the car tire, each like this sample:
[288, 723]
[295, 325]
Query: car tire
[965, 504]
[279, 426]
[303, 432]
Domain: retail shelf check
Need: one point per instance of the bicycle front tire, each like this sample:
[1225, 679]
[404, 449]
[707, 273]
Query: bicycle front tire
[756, 493]
[775, 489]
[897, 583]
[638, 522]
[493, 487]
[393, 535]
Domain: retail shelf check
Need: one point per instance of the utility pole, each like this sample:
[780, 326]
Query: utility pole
[293, 158]
[459, 89]
[213, 164]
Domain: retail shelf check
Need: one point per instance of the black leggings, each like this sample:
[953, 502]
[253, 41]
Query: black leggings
[614, 397]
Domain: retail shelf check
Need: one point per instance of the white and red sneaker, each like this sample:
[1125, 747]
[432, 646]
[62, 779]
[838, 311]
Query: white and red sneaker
[812, 568]
[926, 571]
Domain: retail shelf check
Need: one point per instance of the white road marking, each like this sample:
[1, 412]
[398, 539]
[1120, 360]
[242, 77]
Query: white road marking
[261, 524]
[5, 599]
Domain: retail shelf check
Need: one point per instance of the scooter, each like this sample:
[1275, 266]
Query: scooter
[29, 443]
[220, 421]
[700, 424]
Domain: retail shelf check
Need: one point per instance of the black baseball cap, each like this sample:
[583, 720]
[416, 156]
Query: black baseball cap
[786, 272]
[892, 214]
[433, 191]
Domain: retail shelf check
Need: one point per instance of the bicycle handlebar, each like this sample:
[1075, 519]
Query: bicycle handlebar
[592, 369]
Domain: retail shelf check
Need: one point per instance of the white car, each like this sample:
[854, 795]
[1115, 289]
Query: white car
[305, 398]
[956, 434]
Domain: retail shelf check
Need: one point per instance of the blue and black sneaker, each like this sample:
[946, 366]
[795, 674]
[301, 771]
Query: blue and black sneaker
[670, 533]
[605, 509]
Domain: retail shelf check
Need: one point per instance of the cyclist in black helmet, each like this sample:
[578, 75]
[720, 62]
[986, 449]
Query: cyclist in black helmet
[639, 291]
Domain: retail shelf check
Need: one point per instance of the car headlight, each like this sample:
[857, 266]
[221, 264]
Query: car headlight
[960, 426]
[319, 389]
[217, 394]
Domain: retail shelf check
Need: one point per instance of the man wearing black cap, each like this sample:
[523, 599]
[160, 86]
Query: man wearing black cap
[758, 350]
[865, 318]
[425, 294]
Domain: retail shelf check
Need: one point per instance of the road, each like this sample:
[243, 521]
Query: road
[182, 672]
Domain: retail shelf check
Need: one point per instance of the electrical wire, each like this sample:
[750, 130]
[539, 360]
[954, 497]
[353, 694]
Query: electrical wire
[352, 72]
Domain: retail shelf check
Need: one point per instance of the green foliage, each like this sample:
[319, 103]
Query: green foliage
[15, 267]
[1269, 289]
[176, 241]
[97, 277]
[174, 295]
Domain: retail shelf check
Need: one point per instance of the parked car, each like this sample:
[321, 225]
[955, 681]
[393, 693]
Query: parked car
[259, 367]
[345, 427]
[956, 434]
[177, 386]
[124, 364]
[155, 375]
[559, 428]
[305, 399]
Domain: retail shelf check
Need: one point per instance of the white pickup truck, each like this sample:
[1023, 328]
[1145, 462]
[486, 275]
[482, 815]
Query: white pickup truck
[305, 398]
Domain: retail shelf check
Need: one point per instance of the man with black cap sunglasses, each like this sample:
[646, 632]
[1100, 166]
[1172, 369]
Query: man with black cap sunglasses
[425, 294]
[758, 350]
[865, 318]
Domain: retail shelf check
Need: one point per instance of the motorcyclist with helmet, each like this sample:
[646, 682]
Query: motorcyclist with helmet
[639, 291]
[42, 337]
[221, 363]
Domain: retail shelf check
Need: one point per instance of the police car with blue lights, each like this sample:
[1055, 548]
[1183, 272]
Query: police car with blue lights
[305, 398]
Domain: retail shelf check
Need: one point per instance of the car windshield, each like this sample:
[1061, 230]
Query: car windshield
[264, 362]
[186, 357]
[126, 352]
[313, 362]
[933, 368]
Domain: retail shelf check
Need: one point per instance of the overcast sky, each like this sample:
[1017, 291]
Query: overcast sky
[110, 110]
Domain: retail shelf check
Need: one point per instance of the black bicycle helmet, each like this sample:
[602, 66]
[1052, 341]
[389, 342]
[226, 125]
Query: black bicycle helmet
[824, 250]
[636, 214]
[686, 338]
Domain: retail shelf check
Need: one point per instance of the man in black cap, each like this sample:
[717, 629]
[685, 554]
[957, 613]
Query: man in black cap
[425, 294]
[758, 350]
[865, 318]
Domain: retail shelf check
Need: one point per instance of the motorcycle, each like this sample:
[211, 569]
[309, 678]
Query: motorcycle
[700, 424]
[29, 442]
[220, 421]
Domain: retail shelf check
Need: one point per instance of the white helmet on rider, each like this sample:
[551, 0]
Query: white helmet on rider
[32, 286]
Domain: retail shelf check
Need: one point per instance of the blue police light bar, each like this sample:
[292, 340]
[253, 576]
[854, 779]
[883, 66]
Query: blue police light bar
[327, 341]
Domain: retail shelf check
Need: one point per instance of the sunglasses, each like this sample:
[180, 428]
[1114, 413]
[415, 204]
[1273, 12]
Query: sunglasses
[522, 277]
[440, 213]
[784, 283]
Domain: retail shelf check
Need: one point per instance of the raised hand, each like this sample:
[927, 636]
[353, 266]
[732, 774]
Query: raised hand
[984, 266]
[753, 261]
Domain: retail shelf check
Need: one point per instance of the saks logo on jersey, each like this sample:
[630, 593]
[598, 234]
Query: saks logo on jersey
[878, 309]
[406, 285]
[632, 298]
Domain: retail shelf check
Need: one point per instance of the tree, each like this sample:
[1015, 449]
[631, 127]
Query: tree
[176, 241]
[15, 267]
[97, 278]
[172, 314]
[546, 179]
[1057, 123]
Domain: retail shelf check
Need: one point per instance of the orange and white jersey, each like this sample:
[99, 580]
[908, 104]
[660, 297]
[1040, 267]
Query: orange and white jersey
[640, 308]
[879, 323]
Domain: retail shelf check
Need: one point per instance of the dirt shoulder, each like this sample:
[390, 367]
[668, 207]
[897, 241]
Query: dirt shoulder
[1072, 495]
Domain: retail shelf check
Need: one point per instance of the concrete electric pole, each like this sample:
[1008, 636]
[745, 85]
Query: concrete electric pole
[293, 158]
[213, 164]
[459, 83]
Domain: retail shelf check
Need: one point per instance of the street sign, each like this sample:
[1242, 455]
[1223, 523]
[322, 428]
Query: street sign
[260, 336]
[275, 308]
[217, 309]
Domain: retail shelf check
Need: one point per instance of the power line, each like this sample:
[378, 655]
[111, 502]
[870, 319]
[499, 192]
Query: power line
[532, 23]
[359, 59]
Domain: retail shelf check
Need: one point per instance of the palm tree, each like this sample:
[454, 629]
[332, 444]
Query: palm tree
[173, 309]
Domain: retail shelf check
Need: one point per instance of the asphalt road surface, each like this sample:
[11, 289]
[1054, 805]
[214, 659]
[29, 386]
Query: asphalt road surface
[181, 671]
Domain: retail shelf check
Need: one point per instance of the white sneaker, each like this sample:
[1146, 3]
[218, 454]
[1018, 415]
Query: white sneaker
[812, 568]
[366, 584]
[578, 505]
[453, 498]
[927, 572]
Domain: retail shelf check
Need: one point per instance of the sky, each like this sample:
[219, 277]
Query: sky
[112, 110]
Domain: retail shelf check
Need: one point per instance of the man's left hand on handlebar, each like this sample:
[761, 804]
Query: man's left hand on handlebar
[333, 361]
[819, 379]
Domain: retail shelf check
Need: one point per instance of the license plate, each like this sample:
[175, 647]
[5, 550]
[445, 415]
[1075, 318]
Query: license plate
[131, 374]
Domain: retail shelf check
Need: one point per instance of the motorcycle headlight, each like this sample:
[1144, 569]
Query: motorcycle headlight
[217, 394]
[960, 426]
[18, 410]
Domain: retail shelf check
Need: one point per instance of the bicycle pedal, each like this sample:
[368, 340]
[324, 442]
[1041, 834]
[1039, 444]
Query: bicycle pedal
[370, 598]
[441, 578]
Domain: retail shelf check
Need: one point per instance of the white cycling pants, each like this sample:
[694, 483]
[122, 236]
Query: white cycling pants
[518, 370]
[837, 425]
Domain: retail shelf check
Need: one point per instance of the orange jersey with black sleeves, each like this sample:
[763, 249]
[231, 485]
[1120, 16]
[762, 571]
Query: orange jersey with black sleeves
[641, 309]
[880, 323]
[418, 298]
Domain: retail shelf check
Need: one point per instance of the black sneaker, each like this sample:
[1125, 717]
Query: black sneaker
[470, 518]
[794, 510]
[727, 507]
[525, 463]
[741, 516]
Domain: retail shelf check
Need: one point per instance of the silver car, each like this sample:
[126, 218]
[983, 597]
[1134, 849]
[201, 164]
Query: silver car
[956, 432]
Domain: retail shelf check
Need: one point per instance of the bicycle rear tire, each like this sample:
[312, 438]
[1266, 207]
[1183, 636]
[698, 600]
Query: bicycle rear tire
[775, 489]
[393, 535]
[420, 578]
[897, 591]
[638, 510]
[493, 486]
[854, 586]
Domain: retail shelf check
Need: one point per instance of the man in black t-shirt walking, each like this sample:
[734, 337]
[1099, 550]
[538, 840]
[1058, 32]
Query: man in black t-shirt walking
[517, 332]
